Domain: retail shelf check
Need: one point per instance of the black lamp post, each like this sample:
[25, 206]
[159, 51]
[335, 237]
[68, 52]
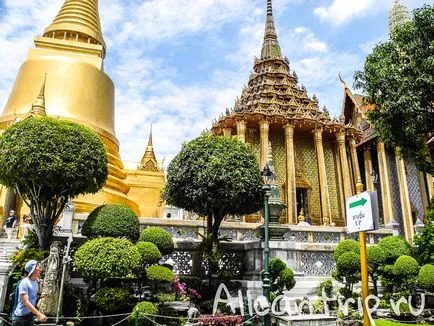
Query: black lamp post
[266, 191]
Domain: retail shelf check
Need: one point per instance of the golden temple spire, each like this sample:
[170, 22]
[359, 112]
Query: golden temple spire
[77, 20]
[38, 106]
[270, 47]
[149, 161]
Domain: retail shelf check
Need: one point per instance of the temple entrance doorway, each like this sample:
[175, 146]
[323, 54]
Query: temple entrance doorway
[303, 202]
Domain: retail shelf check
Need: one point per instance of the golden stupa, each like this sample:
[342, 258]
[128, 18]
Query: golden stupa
[70, 55]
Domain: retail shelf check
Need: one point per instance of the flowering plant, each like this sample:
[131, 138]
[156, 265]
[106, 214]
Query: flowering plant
[180, 289]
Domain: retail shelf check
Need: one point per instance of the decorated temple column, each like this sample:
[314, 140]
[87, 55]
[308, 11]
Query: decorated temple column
[385, 184]
[346, 180]
[264, 126]
[354, 159]
[227, 132]
[291, 200]
[241, 130]
[368, 169]
[404, 196]
[325, 202]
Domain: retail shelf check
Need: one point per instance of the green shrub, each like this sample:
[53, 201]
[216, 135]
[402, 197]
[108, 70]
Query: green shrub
[160, 237]
[328, 288]
[286, 279]
[149, 252]
[160, 274]
[348, 264]
[426, 277]
[31, 240]
[112, 220]
[376, 256]
[146, 308]
[406, 266]
[346, 246]
[20, 258]
[277, 265]
[102, 258]
[393, 247]
[112, 299]
[164, 297]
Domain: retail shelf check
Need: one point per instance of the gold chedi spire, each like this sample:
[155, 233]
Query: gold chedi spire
[398, 16]
[270, 47]
[77, 20]
[149, 161]
[38, 106]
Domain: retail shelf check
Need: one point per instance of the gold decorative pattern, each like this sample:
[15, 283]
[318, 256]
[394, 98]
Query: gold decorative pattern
[278, 146]
[331, 182]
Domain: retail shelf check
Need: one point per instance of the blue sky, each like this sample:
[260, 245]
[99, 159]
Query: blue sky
[179, 63]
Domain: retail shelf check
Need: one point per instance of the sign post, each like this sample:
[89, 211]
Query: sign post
[362, 215]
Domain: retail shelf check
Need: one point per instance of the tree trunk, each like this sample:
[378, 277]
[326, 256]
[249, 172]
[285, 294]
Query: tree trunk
[45, 236]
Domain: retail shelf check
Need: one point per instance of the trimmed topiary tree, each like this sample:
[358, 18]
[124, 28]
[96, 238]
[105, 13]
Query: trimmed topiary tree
[112, 299]
[376, 259]
[112, 220]
[160, 237]
[281, 276]
[406, 269]
[345, 246]
[149, 253]
[103, 258]
[277, 265]
[160, 274]
[348, 271]
[393, 247]
[426, 277]
[143, 312]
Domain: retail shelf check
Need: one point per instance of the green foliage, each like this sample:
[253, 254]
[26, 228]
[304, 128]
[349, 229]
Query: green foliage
[345, 246]
[160, 274]
[406, 266]
[376, 257]
[112, 299]
[143, 310]
[112, 220]
[426, 277]
[328, 288]
[31, 240]
[148, 252]
[393, 247]
[424, 239]
[21, 257]
[286, 279]
[277, 265]
[164, 297]
[103, 258]
[214, 176]
[397, 77]
[348, 264]
[47, 161]
[160, 237]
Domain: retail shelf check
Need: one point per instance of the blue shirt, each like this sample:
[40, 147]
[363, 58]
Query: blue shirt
[31, 288]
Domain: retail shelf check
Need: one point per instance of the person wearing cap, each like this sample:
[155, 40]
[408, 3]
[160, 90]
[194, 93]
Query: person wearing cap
[11, 223]
[24, 313]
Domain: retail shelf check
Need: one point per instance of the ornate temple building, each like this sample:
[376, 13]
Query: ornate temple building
[70, 56]
[312, 152]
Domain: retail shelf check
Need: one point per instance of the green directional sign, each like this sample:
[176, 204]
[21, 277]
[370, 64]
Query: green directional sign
[359, 202]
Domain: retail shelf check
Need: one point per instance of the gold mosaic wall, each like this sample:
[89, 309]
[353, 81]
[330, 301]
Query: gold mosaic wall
[306, 164]
[277, 139]
[253, 139]
[332, 177]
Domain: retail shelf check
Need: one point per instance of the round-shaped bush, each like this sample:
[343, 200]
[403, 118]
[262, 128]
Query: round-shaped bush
[276, 266]
[112, 299]
[376, 256]
[160, 274]
[348, 263]
[406, 266]
[286, 279]
[103, 258]
[144, 311]
[346, 246]
[426, 277]
[112, 220]
[160, 237]
[393, 247]
[149, 252]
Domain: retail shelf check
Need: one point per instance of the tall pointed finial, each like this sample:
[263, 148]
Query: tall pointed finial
[77, 20]
[270, 47]
[38, 107]
[149, 161]
[398, 16]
